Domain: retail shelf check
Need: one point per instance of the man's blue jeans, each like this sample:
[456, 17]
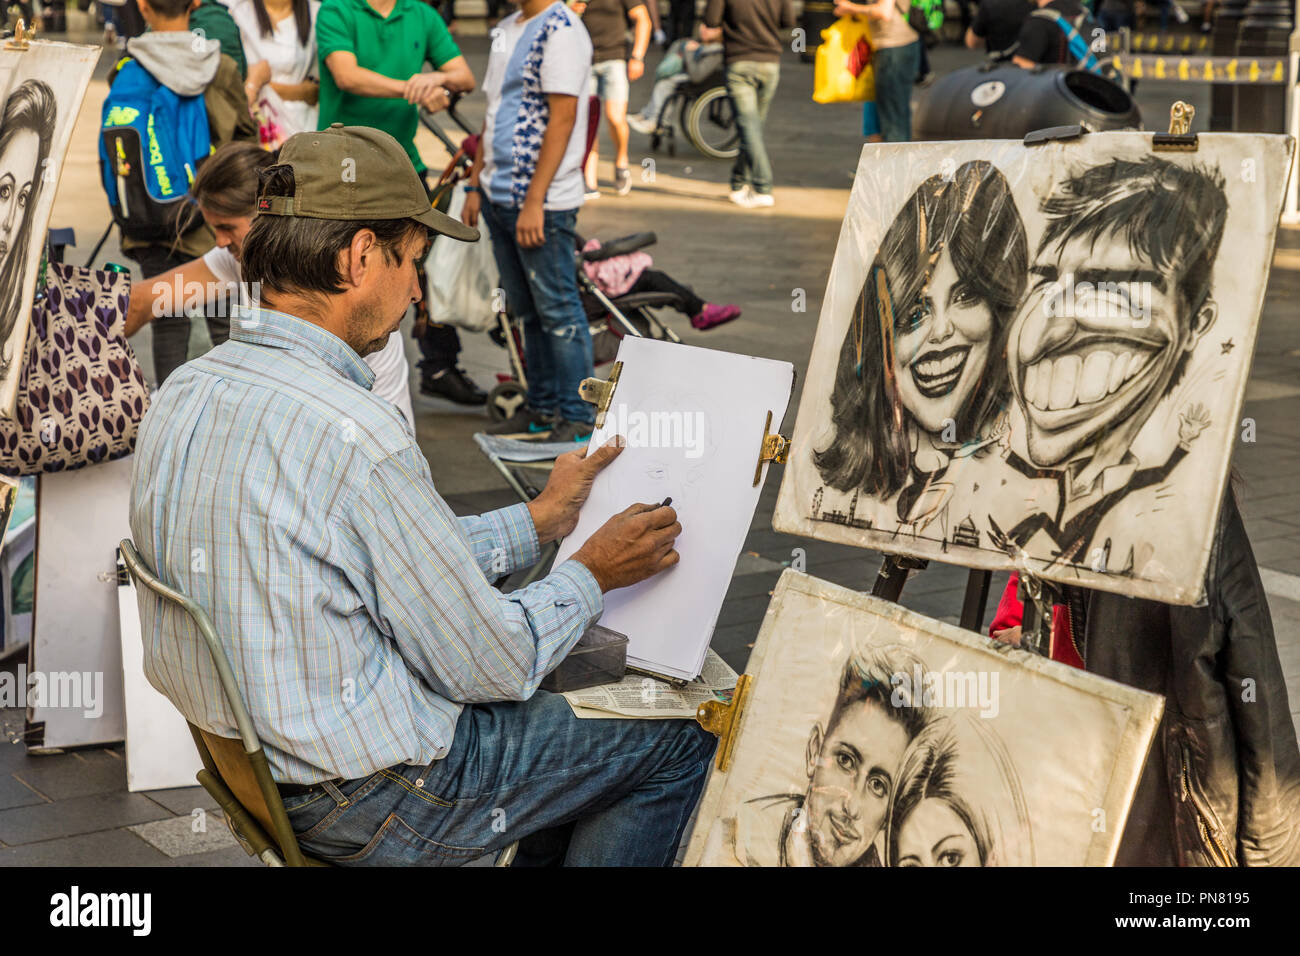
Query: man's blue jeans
[752, 86]
[541, 287]
[895, 75]
[619, 791]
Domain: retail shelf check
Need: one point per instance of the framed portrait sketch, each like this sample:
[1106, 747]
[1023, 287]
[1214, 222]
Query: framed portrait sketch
[874, 736]
[41, 89]
[1035, 357]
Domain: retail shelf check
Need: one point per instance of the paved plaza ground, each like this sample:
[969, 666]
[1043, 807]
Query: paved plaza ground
[73, 808]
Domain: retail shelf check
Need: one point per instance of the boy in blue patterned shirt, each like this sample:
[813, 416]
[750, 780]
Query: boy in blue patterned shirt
[527, 183]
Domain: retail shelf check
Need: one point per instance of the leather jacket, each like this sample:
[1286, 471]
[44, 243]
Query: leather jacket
[1221, 785]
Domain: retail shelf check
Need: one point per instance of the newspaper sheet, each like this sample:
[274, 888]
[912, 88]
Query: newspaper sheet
[637, 696]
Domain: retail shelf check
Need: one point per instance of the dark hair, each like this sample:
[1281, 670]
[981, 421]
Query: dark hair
[973, 215]
[928, 772]
[868, 675]
[227, 181]
[31, 107]
[301, 19]
[171, 9]
[293, 254]
[1170, 215]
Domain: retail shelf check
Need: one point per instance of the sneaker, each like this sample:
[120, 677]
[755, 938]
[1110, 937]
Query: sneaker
[1179, 13]
[527, 422]
[926, 80]
[642, 124]
[741, 196]
[713, 315]
[1206, 26]
[622, 180]
[591, 194]
[567, 431]
[454, 385]
[760, 200]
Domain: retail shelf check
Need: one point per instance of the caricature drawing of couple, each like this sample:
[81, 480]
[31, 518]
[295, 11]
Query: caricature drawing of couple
[1088, 333]
[892, 782]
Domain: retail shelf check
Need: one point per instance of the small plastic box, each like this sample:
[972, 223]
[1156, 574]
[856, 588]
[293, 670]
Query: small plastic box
[599, 657]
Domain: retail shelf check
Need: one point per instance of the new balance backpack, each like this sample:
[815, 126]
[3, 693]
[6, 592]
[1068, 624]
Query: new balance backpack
[151, 142]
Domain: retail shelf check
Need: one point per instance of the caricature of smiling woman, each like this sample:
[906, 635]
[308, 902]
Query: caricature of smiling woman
[922, 378]
[26, 129]
[958, 801]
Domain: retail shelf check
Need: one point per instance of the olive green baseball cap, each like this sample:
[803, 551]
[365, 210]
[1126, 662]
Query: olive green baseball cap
[354, 173]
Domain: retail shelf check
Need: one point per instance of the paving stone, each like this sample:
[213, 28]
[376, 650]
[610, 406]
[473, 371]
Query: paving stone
[176, 836]
[14, 794]
[74, 774]
[101, 811]
[182, 800]
[106, 848]
[226, 856]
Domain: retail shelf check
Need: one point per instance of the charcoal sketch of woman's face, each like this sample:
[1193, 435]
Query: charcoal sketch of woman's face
[934, 835]
[941, 347]
[18, 175]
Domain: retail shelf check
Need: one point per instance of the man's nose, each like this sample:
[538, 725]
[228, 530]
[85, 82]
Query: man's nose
[1045, 328]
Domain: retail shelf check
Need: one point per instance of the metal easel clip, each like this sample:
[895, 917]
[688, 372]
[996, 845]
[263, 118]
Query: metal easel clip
[723, 719]
[775, 448]
[23, 36]
[1180, 137]
[600, 392]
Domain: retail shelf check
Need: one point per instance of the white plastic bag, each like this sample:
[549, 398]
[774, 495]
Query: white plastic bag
[462, 277]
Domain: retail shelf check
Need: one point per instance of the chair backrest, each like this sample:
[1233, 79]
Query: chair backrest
[239, 764]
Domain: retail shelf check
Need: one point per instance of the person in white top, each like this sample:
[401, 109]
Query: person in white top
[279, 38]
[226, 193]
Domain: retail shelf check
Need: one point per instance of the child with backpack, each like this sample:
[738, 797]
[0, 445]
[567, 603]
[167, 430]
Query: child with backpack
[172, 100]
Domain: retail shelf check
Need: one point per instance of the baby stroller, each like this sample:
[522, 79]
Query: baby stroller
[609, 319]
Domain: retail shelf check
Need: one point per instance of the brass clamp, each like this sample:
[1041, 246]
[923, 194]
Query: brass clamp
[600, 392]
[722, 718]
[774, 448]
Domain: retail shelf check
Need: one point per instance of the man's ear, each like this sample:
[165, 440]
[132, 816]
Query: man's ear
[1204, 318]
[815, 740]
[360, 255]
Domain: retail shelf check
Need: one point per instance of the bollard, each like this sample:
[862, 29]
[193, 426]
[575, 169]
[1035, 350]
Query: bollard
[817, 15]
[1265, 31]
[1224, 38]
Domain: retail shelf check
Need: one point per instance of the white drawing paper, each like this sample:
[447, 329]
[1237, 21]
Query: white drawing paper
[693, 421]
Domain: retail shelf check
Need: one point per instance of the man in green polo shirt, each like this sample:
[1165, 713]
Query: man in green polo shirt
[372, 55]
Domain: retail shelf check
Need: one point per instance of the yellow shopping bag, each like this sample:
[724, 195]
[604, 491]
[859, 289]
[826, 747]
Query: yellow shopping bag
[843, 73]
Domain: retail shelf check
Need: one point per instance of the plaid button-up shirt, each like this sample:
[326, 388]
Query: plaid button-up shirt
[272, 488]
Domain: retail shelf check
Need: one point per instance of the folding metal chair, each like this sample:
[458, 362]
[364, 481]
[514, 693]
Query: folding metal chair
[235, 770]
[519, 462]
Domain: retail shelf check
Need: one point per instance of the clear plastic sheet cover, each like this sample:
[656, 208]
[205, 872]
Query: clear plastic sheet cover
[1036, 357]
[876, 736]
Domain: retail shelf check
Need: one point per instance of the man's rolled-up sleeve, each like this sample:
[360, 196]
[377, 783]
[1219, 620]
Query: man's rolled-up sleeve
[421, 577]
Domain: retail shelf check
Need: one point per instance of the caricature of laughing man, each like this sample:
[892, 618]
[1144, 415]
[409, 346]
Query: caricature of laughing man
[1120, 297]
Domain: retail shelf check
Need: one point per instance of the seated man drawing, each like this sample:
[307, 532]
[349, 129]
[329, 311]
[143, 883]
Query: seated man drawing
[395, 689]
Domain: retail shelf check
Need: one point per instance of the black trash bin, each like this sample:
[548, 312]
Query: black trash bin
[1006, 102]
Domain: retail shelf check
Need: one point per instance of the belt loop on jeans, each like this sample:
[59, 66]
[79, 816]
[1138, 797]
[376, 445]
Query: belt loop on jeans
[329, 787]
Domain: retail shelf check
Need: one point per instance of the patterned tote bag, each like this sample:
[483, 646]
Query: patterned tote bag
[82, 392]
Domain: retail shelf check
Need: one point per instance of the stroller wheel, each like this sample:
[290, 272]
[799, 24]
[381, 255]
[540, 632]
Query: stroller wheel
[505, 399]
